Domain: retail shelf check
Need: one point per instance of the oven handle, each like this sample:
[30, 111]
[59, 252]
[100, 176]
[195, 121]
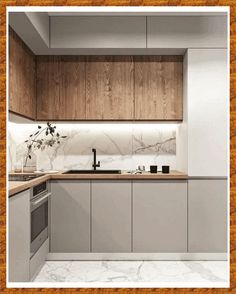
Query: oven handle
[41, 199]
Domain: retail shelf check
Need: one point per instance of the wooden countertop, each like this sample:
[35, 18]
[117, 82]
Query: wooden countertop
[16, 186]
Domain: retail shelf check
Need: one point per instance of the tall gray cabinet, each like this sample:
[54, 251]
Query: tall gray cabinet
[19, 237]
[207, 215]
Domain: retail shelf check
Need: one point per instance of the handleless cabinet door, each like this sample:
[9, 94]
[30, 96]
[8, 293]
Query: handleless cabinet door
[70, 216]
[111, 216]
[158, 87]
[91, 32]
[22, 83]
[187, 31]
[207, 215]
[109, 88]
[19, 237]
[160, 216]
[60, 87]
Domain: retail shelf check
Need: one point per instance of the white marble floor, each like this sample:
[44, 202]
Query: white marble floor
[214, 272]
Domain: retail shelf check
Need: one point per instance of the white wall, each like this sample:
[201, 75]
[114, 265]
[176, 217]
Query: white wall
[208, 112]
[182, 129]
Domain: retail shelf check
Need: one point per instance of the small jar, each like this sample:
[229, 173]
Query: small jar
[153, 169]
[165, 169]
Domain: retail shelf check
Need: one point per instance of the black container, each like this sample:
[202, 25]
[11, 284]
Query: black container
[153, 169]
[165, 169]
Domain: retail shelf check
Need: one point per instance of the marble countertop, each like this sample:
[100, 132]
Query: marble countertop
[18, 186]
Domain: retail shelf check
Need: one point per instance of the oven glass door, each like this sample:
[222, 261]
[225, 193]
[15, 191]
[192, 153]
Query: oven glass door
[39, 220]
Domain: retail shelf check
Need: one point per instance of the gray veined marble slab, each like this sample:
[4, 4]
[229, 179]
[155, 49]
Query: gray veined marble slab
[119, 146]
[154, 141]
[135, 271]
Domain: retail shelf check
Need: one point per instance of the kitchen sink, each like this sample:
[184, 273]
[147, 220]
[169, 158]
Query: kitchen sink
[99, 171]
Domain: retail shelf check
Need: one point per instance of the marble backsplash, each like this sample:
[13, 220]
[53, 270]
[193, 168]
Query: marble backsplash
[119, 146]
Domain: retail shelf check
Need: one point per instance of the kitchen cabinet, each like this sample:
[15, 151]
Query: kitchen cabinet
[158, 88]
[98, 32]
[70, 216]
[38, 260]
[111, 216]
[19, 237]
[109, 88]
[99, 88]
[22, 78]
[160, 216]
[60, 88]
[187, 32]
[207, 215]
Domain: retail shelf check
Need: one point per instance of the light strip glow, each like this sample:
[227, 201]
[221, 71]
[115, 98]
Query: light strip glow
[98, 127]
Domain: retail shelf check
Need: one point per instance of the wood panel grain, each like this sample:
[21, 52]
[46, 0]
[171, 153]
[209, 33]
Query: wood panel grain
[22, 98]
[112, 90]
[60, 88]
[158, 88]
[109, 87]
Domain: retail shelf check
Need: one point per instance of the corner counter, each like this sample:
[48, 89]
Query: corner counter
[16, 187]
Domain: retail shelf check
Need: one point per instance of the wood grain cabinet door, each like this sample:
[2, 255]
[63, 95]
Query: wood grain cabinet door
[22, 94]
[60, 87]
[109, 88]
[158, 87]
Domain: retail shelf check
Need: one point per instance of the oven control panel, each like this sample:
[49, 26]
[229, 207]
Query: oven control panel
[40, 189]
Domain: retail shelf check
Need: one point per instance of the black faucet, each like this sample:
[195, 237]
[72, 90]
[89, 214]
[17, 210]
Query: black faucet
[95, 164]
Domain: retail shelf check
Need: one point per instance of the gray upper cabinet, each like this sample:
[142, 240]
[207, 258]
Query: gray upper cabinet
[207, 215]
[187, 32]
[70, 216]
[98, 32]
[19, 237]
[160, 216]
[111, 216]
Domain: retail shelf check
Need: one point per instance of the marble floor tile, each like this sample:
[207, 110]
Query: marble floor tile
[134, 271]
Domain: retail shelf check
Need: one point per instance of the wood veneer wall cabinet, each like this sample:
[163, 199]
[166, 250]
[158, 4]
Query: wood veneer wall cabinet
[22, 83]
[109, 88]
[158, 87]
[60, 87]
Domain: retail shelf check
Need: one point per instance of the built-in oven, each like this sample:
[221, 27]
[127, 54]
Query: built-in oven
[39, 216]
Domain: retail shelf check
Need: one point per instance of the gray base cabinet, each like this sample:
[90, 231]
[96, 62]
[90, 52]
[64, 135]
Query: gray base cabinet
[19, 237]
[70, 216]
[207, 215]
[140, 216]
[160, 216]
[111, 216]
